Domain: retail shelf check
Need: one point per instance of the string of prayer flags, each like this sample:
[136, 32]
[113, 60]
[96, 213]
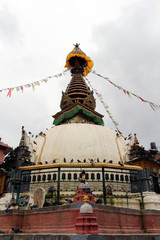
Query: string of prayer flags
[152, 105]
[32, 84]
[106, 107]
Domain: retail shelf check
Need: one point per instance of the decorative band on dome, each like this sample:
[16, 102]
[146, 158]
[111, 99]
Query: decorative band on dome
[70, 113]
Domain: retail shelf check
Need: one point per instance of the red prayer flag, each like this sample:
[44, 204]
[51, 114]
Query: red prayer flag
[106, 107]
[141, 99]
[38, 83]
[9, 93]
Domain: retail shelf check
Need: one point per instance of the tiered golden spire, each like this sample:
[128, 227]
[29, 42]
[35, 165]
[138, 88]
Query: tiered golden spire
[78, 91]
[78, 100]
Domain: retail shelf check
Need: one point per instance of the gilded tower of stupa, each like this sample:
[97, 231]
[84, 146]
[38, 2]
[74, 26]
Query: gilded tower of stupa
[78, 104]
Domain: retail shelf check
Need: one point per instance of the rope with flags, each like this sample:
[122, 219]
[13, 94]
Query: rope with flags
[106, 107]
[9, 90]
[152, 105]
[32, 84]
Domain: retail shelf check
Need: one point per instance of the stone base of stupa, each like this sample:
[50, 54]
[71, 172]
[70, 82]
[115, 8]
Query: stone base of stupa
[63, 219]
[36, 236]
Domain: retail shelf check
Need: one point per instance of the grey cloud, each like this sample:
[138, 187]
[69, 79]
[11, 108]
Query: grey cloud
[129, 52]
[30, 110]
[10, 31]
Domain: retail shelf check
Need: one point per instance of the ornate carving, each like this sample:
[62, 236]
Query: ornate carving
[77, 91]
[65, 102]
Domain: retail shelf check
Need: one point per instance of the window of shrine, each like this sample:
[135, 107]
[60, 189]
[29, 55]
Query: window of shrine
[117, 177]
[112, 177]
[39, 178]
[92, 176]
[44, 177]
[98, 176]
[63, 176]
[75, 176]
[107, 176]
[49, 177]
[69, 176]
[34, 178]
[54, 176]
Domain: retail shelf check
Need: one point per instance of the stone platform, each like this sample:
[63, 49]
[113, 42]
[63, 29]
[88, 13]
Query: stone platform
[64, 219]
[79, 237]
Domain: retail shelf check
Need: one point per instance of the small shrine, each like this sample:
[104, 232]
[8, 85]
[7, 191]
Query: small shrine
[83, 193]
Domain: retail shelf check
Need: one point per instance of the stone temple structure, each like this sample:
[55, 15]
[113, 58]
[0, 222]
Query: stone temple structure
[77, 159]
[77, 140]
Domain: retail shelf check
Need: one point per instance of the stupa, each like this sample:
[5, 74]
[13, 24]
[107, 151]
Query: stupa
[45, 170]
[77, 140]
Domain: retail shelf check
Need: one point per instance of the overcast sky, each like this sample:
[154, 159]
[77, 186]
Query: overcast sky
[122, 37]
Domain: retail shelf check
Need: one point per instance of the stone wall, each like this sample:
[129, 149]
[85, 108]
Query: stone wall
[80, 237]
[62, 219]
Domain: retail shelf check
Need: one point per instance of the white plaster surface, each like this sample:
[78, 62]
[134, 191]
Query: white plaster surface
[79, 141]
[86, 208]
[151, 200]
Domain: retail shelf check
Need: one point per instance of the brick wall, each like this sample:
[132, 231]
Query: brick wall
[62, 219]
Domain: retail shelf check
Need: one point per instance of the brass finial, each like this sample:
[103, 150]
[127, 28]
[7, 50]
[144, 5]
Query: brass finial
[76, 45]
[135, 140]
[77, 50]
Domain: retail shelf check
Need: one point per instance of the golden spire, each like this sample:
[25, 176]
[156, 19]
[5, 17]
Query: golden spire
[22, 141]
[77, 90]
[78, 103]
[135, 140]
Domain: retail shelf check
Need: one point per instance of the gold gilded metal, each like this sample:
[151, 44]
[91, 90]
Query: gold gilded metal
[79, 165]
[42, 148]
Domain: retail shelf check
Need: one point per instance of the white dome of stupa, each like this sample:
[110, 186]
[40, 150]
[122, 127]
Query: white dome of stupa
[79, 134]
[78, 142]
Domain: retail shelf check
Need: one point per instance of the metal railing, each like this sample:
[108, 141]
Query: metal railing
[129, 179]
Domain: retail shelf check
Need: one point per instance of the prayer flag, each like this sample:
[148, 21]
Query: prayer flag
[9, 93]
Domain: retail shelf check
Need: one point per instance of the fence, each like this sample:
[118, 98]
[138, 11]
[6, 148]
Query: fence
[107, 180]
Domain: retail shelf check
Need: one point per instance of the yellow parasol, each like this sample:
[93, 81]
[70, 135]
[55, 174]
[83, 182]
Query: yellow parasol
[77, 52]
